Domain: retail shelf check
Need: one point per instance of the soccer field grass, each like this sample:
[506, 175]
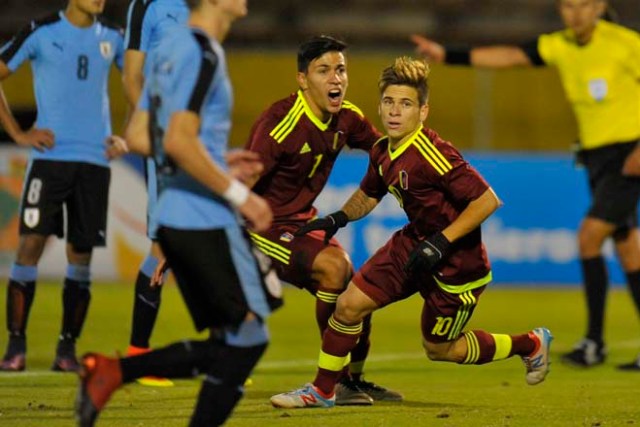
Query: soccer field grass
[436, 394]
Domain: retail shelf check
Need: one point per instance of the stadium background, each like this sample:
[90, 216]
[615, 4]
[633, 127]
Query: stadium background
[514, 125]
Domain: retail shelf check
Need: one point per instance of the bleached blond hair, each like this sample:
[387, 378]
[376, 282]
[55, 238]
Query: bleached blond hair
[407, 71]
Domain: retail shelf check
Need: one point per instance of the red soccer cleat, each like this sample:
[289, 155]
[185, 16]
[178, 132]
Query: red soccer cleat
[100, 377]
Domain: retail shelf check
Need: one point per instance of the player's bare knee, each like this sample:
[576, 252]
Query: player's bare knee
[333, 269]
[348, 313]
[79, 255]
[589, 241]
[30, 249]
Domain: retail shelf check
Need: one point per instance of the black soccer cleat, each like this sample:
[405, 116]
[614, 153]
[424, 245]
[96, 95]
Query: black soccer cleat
[585, 354]
[630, 367]
[377, 392]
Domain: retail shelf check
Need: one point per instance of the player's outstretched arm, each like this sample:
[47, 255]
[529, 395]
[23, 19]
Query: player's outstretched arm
[473, 215]
[358, 205]
[488, 56]
[429, 252]
[40, 139]
[182, 144]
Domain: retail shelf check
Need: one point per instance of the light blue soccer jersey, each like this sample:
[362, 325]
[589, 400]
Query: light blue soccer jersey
[71, 67]
[189, 73]
[148, 22]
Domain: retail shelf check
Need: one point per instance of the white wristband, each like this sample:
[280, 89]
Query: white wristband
[237, 193]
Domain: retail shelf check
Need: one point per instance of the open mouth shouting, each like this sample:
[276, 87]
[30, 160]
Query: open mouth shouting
[335, 98]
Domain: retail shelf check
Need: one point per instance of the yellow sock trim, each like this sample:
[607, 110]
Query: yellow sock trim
[332, 363]
[473, 348]
[503, 346]
[345, 329]
[327, 297]
[347, 360]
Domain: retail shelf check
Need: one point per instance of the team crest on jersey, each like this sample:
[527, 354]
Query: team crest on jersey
[598, 89]
[106, 50]
[31, 217]
[404, 180]
[286, 237]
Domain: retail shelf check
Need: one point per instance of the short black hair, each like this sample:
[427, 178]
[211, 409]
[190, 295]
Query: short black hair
[315, 48]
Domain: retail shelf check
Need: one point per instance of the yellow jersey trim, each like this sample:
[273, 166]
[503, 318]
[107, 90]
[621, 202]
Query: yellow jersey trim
[286, 125]
[434, 155]
[459, 289]
[314, 119]
[429, 151]
[350, 106]
[394, 154]
[271, 249]
[462, 316]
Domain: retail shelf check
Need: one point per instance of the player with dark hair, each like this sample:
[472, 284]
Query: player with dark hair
[439, 253]
[183, 121]
[599, 65]
[71, 53]
[148, 21]
[299, 139]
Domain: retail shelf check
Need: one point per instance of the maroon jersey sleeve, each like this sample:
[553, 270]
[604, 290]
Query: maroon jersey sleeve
[372, 184]
[462, 183]
[261, 142]
[363, 134]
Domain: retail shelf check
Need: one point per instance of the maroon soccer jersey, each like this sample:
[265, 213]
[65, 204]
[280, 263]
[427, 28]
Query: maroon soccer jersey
[299, 150]
[433, 184]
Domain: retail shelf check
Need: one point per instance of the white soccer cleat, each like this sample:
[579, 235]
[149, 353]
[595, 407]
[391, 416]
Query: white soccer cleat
[537, 363]
[305, 397]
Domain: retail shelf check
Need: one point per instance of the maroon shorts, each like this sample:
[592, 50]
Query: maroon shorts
[383, 279]
[292, 256]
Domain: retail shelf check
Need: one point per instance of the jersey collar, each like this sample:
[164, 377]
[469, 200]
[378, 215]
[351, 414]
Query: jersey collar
[314, 119]
[394, 154]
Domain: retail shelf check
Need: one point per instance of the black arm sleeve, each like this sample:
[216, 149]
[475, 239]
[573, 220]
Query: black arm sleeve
[530, 48]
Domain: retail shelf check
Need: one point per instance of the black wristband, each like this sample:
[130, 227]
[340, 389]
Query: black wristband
[457, 55]
[340, 218]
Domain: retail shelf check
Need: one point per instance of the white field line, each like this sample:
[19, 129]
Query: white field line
[291, 363]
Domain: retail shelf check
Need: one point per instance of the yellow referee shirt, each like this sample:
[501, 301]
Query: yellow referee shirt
[601, 80]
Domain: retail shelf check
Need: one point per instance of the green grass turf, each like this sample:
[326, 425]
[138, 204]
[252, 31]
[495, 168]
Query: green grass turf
[437, 394]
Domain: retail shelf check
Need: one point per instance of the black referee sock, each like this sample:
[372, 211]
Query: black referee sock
[76, 297]
[596, 284]
[145, 310]
[633, 281]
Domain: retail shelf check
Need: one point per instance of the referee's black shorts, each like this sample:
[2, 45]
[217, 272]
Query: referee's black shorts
[614, 196]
